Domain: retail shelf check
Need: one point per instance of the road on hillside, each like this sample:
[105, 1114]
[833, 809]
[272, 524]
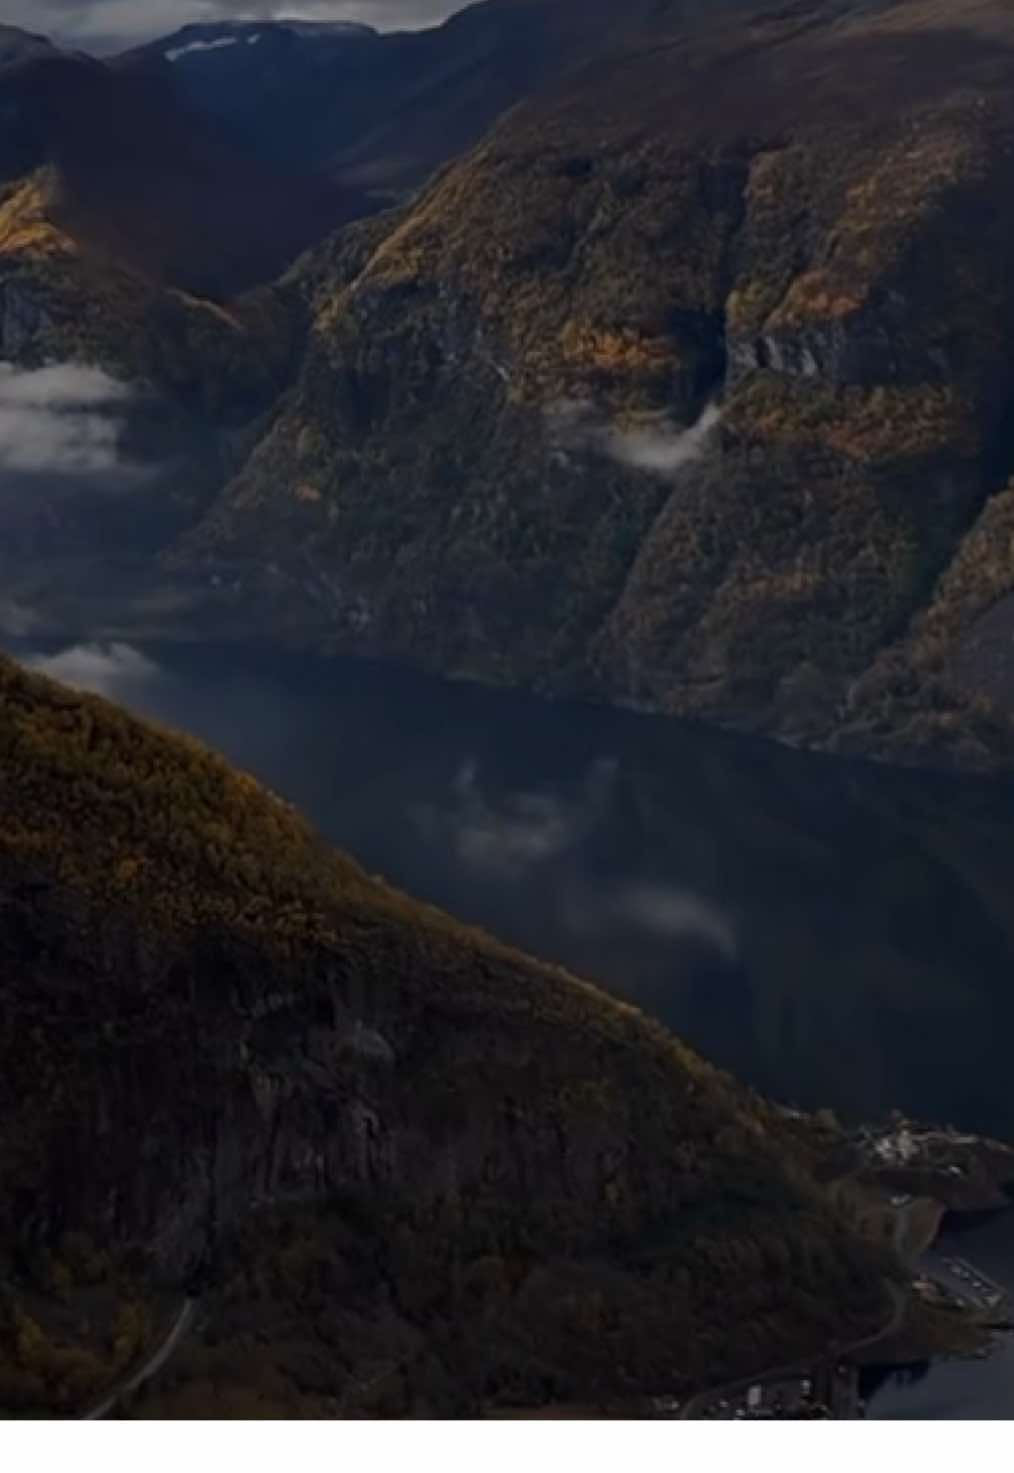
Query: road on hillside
[899, 1305]
[154, 1363]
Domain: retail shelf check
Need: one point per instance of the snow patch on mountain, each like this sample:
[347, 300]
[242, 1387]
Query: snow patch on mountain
[176, 52]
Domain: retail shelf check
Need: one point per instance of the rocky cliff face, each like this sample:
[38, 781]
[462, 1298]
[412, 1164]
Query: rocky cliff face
[130, 219]
[209, 1022]
[799, 216]
[687, 388]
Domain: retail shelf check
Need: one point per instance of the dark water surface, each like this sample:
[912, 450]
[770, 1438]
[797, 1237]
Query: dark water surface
[838, 934]
[961, 1390]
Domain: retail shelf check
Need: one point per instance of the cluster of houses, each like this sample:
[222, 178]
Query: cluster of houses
[797, 1399]
[904, 1144]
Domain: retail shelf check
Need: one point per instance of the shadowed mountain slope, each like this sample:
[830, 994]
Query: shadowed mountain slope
[434, 1151]
[378, 111]
[136, 178]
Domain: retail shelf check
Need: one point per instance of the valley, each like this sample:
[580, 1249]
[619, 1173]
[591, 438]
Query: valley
[507, 714]
[635, 399]
[725, 886]
[233, 1055]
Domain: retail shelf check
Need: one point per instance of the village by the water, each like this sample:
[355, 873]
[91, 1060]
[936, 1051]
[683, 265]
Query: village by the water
[921, 1175]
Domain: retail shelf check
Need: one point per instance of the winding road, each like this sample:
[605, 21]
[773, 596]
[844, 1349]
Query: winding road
[153, 1364]
[899, 1305]
[188, 1311]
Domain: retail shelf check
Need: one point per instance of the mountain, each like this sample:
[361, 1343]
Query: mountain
[17, 48]
[787, 226]
[269, 83]
[209, 158]
[377, 111]
[123, 399]
[136, 178]
[145, 203]
[686, 386]
[403, 1167]
[123, 220]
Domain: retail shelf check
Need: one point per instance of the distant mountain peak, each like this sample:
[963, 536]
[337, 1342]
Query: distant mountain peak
[203, 36]
[325, 27]
[18, 47]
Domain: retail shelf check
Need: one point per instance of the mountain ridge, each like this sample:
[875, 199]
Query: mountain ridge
[469, 451]
[378, 111]
[709, 216]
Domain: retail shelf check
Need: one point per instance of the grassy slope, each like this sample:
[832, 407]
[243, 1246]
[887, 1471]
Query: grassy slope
[666, 1231]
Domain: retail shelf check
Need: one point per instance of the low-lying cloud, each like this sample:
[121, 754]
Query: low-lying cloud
[664, 450]
[65, 420]
[17, 620]
[659, 446]
[531, 839]
[116, 671]
[516, 831]
[669, 912]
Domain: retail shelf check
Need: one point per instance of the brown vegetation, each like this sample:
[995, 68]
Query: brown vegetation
[803, 212]
[535, 1193]
[816, 229]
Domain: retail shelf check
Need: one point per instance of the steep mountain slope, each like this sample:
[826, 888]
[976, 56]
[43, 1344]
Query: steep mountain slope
[787, 227]
[137, 198]
[421, 1169]
[379, 111]
[136, 177]
[802, 213]
[18, 50]
[113, 205]
[272, 84]
[124, 403]
[17, 47]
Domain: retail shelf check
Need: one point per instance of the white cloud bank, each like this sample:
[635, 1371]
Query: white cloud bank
[517, 830]
[664, 450]
[64, 420]
[516, 837]
[114, 670]
[659, 447]
[669, 912]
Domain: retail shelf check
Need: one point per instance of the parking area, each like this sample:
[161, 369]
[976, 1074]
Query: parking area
[963, 1280]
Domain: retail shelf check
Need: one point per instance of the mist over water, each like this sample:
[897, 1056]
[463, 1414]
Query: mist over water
[838, 934]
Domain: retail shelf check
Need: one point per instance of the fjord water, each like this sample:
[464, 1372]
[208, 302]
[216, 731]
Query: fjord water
[964, 1390]
[837, 934]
